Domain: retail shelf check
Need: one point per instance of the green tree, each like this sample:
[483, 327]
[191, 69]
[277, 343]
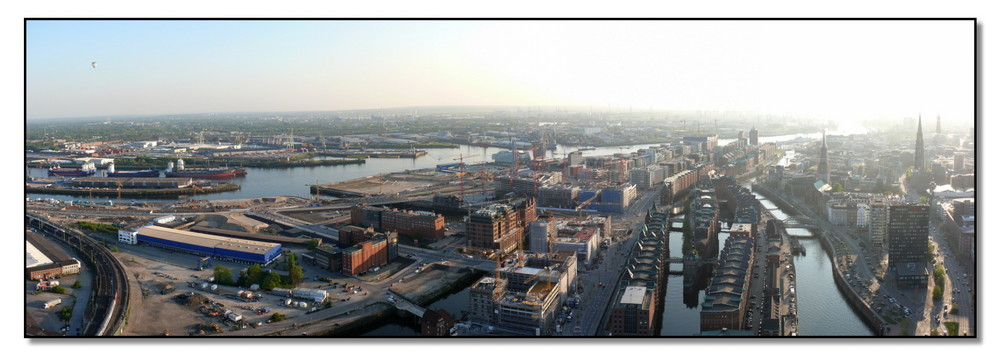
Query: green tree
[276, 317]
[255, 273]
[952, 328]
[938, 292]
[295, 275]
[837, 187]
[243, 281]
[64, 314]
[77, 284]
[270, 281]
[223, 275]
[313, 244]
[58, 289]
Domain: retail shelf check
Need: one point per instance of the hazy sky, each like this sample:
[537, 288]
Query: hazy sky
[834, 69]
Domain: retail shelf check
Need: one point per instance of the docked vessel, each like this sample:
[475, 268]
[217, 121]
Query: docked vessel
[143, 173]
[87, 169]
[587, 148]
[211, 173]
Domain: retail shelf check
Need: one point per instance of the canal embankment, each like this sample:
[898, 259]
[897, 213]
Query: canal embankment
[871, 318]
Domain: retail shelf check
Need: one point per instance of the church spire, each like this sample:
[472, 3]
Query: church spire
[918, 153]
[823, 169]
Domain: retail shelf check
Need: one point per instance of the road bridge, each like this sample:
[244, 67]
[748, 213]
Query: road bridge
[405, 304]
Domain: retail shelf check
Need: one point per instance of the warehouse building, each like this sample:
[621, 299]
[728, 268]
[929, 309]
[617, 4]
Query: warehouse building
[219, 247]
[44, 260]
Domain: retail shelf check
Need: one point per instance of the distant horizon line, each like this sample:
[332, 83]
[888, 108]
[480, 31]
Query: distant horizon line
[592, 108]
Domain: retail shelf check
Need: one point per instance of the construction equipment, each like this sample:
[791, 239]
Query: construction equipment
[535, 276]
[461, 162]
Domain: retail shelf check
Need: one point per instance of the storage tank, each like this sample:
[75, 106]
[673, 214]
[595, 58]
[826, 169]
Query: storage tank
[170, 166]
[215, 286]
[180, 164]
[111, 167]
[204, 286]
[303, 305]
[288, 301]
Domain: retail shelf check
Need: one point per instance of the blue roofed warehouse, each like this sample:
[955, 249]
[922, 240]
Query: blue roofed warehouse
[221, 247]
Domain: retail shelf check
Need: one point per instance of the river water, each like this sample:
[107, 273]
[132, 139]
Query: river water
[268, 182]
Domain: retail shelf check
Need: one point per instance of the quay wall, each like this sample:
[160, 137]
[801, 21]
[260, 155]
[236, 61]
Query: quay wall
[874, 321]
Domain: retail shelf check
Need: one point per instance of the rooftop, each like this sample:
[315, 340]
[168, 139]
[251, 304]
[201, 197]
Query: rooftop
[206, 240]
[633, 295]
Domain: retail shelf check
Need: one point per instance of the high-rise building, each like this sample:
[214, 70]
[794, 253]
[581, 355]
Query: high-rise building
[907, 239]
[823, 169]
[918, 153]
[878, 219]
[754, 136]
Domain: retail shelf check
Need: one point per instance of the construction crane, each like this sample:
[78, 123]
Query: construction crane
[586, 202]
[535, 276]
[461, 163]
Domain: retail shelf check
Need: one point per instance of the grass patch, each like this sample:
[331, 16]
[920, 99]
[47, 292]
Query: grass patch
[952, 328]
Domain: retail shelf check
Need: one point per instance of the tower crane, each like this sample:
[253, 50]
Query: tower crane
[461, 163]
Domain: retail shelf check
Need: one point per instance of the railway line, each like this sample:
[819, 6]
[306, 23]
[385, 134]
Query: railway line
[107, 306]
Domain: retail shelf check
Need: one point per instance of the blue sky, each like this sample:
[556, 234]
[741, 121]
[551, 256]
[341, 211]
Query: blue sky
[837, 69]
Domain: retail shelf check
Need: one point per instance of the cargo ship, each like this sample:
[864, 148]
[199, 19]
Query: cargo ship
[143, 173]
[87, 169]
[212, 173]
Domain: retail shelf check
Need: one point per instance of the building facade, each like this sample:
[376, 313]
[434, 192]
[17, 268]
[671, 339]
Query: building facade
[907, 238]
[633, 313]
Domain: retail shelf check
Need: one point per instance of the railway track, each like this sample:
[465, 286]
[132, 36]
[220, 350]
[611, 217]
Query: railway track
[107, 305]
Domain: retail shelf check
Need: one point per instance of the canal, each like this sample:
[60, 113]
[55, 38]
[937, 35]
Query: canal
[455, 303]
[822, 309]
